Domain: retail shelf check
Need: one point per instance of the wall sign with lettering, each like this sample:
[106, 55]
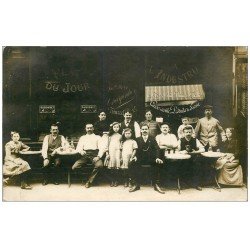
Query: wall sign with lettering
[47, 109]
[88, 109]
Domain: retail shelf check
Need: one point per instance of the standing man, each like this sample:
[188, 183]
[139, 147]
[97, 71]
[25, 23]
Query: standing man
[154, 128]
[51, 162]
[147, 154]
[192, 146]
[207, 129]
[102, 125]
[91, 152]
[130, 123]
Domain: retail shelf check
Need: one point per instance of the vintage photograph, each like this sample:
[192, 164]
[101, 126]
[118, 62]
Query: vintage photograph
[116, 123]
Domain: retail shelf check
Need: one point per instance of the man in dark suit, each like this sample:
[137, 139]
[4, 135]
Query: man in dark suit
[147, 154]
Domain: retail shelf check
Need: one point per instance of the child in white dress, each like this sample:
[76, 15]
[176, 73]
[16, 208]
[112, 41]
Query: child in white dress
[114, 152]
[128, 147]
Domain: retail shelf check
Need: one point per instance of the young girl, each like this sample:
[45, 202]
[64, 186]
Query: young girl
[128, 148]
[13, 164]
[114, 153]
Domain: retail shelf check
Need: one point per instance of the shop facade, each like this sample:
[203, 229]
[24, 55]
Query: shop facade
[42, 85]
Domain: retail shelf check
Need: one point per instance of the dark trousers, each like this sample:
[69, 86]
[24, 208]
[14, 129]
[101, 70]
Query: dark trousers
[88, 159]
[191, 171]
[25, 176]
[53, 169]
[136, 172]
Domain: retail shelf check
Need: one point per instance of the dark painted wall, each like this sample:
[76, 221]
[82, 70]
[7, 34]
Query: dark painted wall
[108, 77]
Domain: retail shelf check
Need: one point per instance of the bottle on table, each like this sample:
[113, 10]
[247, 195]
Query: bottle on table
[210, 149]
[72, 144]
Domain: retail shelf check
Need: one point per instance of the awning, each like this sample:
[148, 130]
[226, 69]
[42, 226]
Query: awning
[171, 93]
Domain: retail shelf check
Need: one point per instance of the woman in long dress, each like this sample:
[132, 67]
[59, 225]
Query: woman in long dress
[230, 169]
[13, 164]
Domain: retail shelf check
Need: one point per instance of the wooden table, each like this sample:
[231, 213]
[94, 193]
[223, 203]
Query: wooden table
[30, 152]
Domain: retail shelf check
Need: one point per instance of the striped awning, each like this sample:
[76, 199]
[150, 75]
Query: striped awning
[193, 92]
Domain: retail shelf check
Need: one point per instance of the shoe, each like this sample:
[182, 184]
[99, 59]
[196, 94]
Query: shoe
[198, 188]
[45, 182]
[115, 183]
[56, 182]
[112, 184]
[158, 189]
[88, 185]
[134, 188]
[26, 186]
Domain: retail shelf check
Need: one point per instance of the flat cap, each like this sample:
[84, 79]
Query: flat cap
[208, 107]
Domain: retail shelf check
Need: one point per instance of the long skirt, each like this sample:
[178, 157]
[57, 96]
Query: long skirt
[16, 167]
[231, 174]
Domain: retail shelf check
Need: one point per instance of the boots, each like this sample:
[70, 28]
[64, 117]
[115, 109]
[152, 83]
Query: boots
[111, 175]
[24, 181]
[56, 175]
[125, 177]
[116, 171]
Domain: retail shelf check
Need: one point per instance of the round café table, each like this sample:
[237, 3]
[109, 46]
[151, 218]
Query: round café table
[66, 154]
[177, 158]
[214, 156]
[30, 152]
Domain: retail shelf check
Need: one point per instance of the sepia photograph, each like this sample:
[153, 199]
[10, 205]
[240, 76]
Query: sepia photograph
[124, 123]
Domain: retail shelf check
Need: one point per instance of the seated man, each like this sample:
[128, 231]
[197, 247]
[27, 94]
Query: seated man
[166, 140]
[91, 152]
[52, 163]
[147, 154]
[192, 146]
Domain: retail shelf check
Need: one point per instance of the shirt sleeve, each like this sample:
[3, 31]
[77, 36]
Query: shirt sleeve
[80, 145]
[135, 146]
[137, 130]
[179, 132]
[101, 147]
[64, 142]
[179, 145]
[45, 147]
[222, 132]
[157, 138]
[174, 141]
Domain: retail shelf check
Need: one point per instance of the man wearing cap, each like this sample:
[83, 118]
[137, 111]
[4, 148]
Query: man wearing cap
[207, 129]
[154, 127]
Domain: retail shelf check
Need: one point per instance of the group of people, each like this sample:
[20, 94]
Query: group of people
[123, 148]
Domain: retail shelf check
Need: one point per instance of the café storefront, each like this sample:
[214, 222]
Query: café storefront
[42, 85]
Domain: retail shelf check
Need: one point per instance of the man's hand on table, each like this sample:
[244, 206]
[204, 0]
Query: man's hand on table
[83, 152]
[95, 159]
[159, 161]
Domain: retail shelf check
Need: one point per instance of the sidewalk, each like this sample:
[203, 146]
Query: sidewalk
[78, 192]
